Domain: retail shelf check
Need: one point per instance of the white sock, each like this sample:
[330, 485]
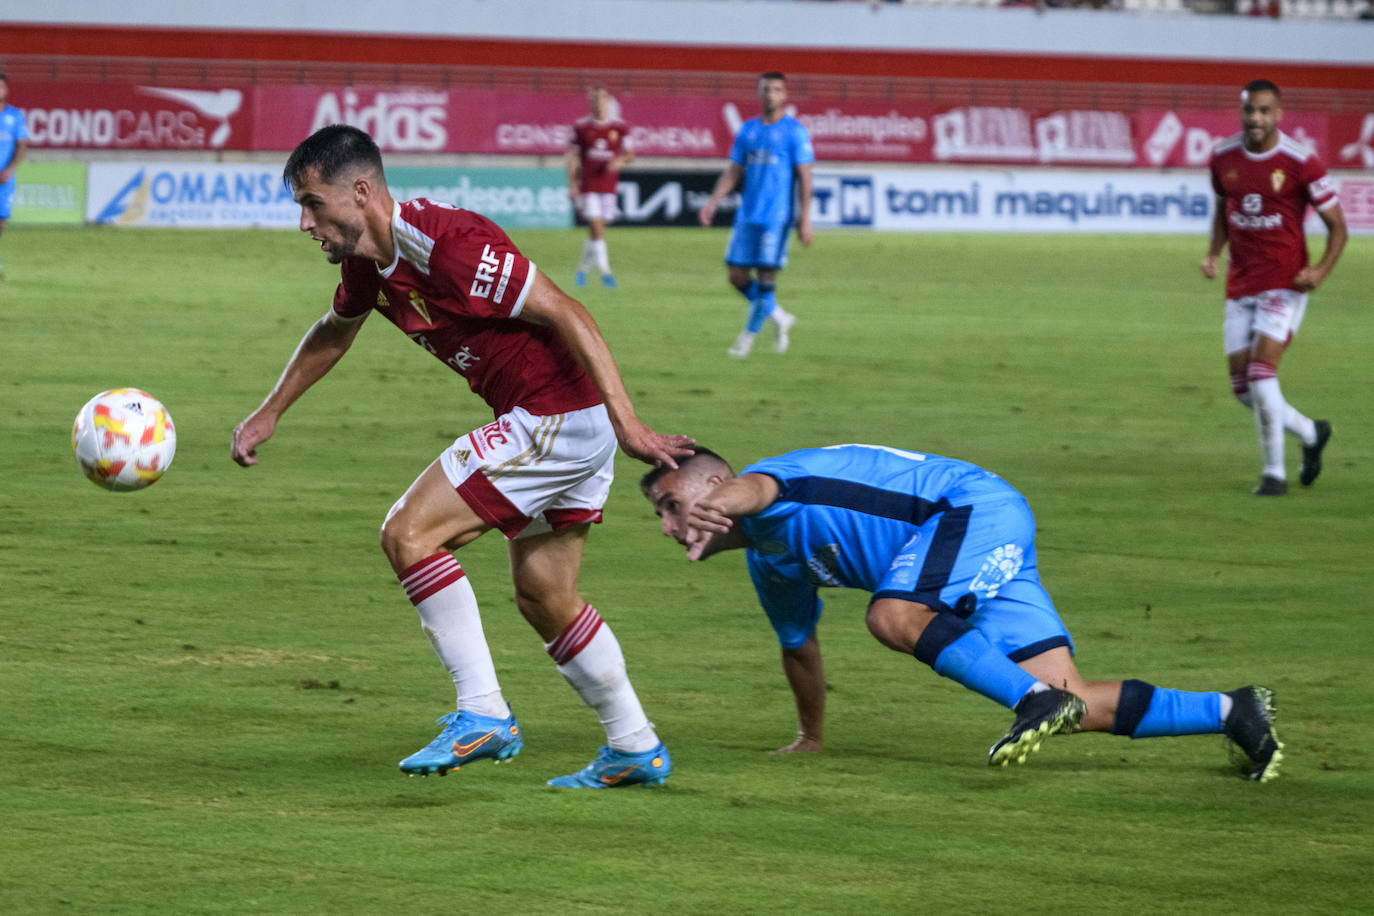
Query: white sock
[449, 616]
[588, 256]
[1293, 421]
[603, 259]
[1270, 410]
[589, 658]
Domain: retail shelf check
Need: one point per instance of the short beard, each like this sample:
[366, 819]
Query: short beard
[347, 245]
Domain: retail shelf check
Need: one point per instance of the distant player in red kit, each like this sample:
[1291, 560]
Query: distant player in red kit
[600, 149]
[1265, 181]
[455, 284]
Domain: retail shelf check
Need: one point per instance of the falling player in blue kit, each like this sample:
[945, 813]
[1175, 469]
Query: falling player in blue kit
[773, 154]
[947, 550]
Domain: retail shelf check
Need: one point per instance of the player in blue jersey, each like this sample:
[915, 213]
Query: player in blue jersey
[14, 141]
[947, 550]
[773, 154]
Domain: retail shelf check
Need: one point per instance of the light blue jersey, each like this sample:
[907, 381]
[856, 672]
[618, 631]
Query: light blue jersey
[12, 130]
[769, 155]
[938, 531]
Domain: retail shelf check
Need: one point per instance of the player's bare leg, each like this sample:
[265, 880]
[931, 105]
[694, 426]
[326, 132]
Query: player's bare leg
[422, 527]
[545, 568]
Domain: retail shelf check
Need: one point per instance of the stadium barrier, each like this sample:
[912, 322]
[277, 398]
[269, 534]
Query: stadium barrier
[126, 116]
[181, 194]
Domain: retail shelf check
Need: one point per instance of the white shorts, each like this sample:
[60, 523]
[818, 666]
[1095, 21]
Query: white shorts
[597, 206]
[1275, 313]
[530, 475]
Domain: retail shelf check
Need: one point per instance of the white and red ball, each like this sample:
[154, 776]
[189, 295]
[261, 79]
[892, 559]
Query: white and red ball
[123, 439]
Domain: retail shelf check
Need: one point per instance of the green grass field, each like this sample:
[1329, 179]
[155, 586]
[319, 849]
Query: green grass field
[205, 686]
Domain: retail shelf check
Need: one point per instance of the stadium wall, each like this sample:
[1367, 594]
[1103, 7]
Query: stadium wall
[718, 36]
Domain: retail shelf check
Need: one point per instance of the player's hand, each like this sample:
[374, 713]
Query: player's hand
[659, 449]
[707, 213]
[804, 744]
[1208, 264]
[1308, 279]
[6, 175]
[706, 519]
[248, 435]
[805, 233]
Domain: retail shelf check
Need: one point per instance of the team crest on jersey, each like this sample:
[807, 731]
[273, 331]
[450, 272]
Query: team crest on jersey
[1230, 177]
[1278, 178]
[1000, 567]
[420, 306]
[614, 134]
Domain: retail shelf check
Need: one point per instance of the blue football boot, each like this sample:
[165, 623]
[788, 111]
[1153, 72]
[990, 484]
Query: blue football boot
[580, 278]
[466, 737]
[612, 769]
[608, 280]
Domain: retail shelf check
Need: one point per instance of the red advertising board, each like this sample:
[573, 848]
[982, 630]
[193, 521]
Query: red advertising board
[1184, 139]
[1352, 141]
[120, 116]
[424, 120]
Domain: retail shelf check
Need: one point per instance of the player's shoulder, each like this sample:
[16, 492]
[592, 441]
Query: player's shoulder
[1293, 149]
[584, 122]
[1228, 146]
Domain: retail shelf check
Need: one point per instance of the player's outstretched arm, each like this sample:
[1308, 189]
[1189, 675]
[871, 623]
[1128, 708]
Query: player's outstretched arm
[322, 346]
[548, 305]
[1312, 276]
[806, 677]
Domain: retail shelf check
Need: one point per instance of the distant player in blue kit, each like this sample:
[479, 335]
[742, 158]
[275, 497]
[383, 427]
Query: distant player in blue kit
[947, 550]
[773, 154]
[14, 137]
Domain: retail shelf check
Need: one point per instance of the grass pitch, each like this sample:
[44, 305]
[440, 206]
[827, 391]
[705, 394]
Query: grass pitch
[206, 685]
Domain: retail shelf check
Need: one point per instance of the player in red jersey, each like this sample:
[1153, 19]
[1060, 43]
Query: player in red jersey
[455, 284]
[600, 148]
[1265, 181]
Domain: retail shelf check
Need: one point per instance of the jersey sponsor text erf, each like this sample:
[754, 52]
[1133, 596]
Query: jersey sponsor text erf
[456, 288]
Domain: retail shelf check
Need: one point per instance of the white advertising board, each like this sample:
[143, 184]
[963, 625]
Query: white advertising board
[1012, 200]
[193, 195]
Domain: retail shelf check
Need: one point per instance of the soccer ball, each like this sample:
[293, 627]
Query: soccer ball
[123, 439]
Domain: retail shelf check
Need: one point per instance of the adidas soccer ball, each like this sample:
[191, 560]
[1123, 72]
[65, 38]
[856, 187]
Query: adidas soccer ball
[123, 439]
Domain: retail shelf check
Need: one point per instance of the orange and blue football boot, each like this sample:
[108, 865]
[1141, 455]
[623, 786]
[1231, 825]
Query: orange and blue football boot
[613, 769]
[466, 737]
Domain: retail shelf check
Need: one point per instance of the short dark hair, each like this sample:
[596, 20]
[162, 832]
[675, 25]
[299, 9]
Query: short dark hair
[772, 75]
[330, 151]
[1260, 86]
[698, 452]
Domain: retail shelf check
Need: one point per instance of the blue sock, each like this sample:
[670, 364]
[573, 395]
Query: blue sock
[750, 292]
[763, 306]
[957, 651]
[1147, 711]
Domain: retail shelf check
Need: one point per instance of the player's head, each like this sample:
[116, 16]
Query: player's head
[772, 89]
[335, 174]
[1261, 108]
[4, 88]
[600, 100]
[673, 492]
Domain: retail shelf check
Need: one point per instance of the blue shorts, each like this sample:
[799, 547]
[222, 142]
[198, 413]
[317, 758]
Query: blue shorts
[7, 197]
[758, 245]
[979, 562]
